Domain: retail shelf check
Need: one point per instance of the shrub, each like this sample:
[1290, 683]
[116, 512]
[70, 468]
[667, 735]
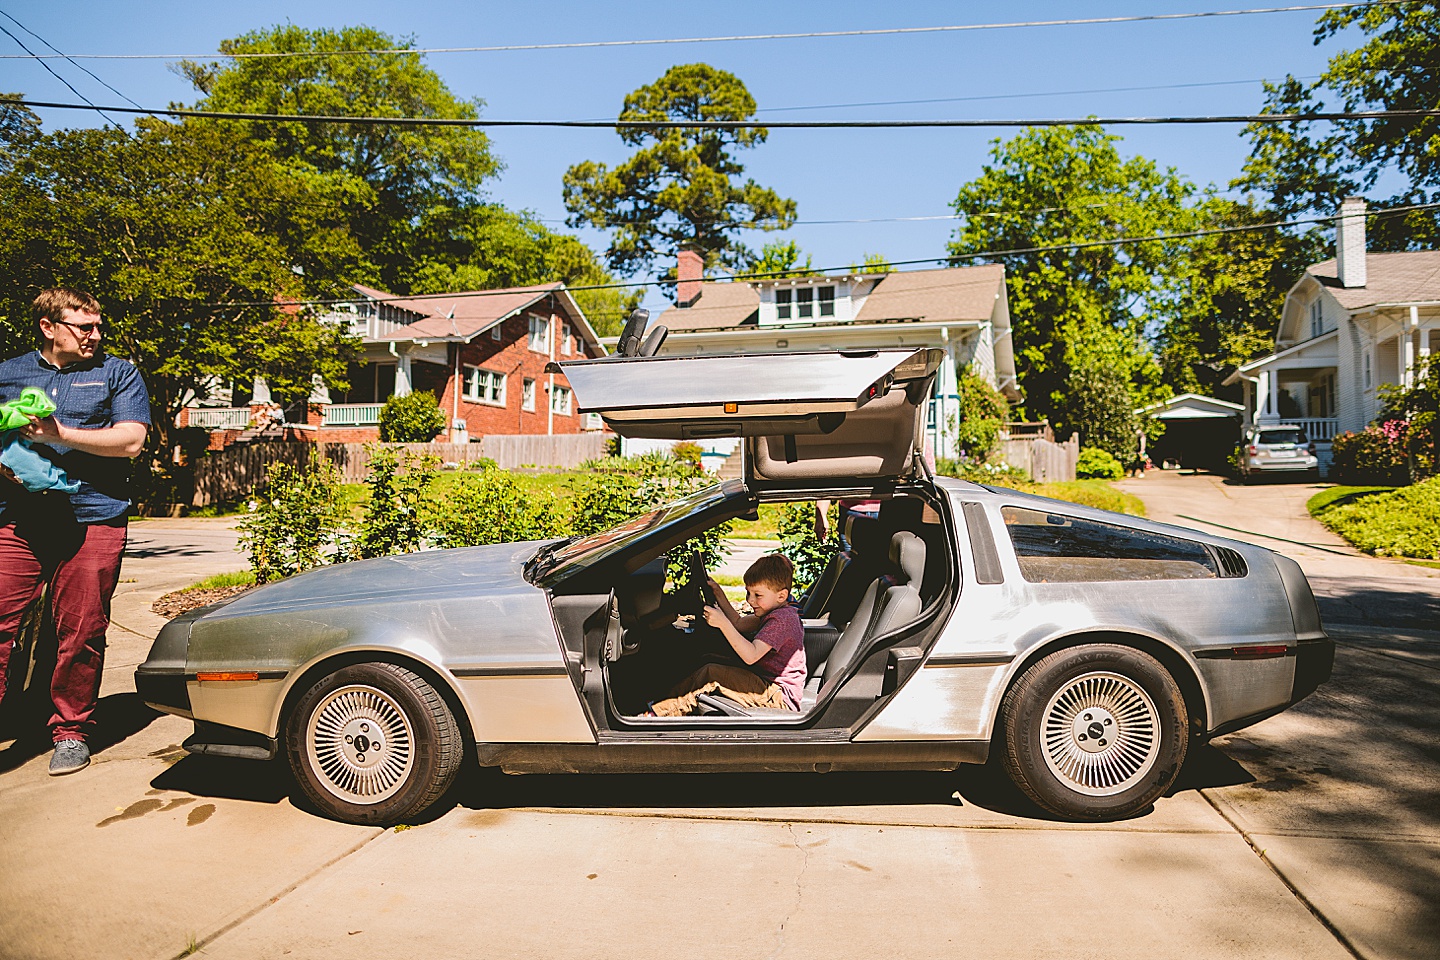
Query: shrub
[491, 507]
[983, 413]
[1096, 464]
[1374, 455]
[413, 418]
[1405, 523]
[689, 451]
[393, 520]
[981, 471]
[1101, 410]
[294, 520]
[801, 546]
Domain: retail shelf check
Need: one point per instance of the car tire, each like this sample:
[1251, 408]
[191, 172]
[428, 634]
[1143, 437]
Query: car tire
[1094, 732]
[373, 743]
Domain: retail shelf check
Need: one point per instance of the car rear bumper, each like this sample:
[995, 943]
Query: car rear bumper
[163, 689]
[1314, 661]
[1297, 465]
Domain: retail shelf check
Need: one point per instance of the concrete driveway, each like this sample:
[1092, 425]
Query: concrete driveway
[1311, 835]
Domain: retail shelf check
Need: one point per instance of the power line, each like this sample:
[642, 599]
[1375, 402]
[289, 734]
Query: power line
[823, 271]
[48, 69]
[58, 53]
[810, 35]
[1312, 117]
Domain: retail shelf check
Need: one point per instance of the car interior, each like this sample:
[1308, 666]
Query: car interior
[866, 616]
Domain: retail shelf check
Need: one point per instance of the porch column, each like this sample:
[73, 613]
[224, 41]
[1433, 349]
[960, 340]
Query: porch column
[1407, 350]
[402, 376]
[1272, 391]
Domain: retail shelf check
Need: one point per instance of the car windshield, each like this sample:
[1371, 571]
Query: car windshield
[574, 555]
[1282, 436]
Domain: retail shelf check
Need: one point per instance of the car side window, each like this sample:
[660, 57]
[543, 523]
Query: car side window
[1054, 548]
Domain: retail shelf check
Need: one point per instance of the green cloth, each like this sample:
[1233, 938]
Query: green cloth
[32, 403]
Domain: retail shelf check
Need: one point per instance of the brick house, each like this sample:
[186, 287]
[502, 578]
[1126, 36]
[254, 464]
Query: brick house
[482, 353]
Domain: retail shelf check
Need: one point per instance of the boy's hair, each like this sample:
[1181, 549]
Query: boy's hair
[52, 303]
[773, 570]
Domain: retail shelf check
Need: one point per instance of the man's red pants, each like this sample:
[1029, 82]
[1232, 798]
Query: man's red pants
[82, 564]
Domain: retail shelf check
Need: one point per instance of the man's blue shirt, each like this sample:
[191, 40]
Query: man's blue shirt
[94, 393]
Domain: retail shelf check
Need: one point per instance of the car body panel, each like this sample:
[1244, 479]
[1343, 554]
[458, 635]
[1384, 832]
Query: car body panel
[439, 609]
[1287, 450]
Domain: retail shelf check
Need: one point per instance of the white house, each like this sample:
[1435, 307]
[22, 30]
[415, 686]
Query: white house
[1349, 326]
[962, 310]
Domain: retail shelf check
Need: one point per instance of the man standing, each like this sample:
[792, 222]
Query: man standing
[72, 540]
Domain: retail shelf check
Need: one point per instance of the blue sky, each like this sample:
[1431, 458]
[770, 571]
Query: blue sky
[832, 174]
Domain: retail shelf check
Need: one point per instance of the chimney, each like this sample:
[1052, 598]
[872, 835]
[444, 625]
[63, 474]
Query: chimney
[1350, 242]
[689, 268]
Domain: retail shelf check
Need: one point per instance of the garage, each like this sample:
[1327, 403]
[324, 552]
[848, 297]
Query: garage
[1200, 432]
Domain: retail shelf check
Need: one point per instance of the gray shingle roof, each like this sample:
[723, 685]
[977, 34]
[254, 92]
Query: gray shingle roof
[1390, 278]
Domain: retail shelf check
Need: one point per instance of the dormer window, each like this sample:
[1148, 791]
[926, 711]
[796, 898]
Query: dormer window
[804, 303]
[826, 297]
[1317, 318]
[782, 304]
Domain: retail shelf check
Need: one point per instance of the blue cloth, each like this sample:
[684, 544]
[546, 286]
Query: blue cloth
[34, 472]
[91, 394]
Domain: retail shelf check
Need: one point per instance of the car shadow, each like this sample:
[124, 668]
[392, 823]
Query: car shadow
[117, 718]
[225, 778]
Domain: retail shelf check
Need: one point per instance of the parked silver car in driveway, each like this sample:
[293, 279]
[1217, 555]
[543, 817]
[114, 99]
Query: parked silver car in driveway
[1087, 649]
[1280, 448]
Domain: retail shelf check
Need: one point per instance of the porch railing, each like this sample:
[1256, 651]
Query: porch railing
[353, 414]
[1318, 429]
[220, 418]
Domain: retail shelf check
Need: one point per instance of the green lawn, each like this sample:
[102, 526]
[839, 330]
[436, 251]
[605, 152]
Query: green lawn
[1386, 521]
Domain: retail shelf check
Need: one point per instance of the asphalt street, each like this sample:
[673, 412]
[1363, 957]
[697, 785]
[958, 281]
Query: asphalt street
[1315, 834]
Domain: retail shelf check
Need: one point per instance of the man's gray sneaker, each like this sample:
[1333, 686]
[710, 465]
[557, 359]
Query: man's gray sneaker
[70, 756]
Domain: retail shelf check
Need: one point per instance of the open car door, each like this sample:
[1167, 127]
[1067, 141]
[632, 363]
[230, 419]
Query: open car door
[803, 416]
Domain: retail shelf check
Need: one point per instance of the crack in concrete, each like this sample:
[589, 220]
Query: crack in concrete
[799, 891]
[1303, 900]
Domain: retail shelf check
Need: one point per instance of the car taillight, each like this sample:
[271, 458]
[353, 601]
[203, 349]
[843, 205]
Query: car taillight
[1253, 449]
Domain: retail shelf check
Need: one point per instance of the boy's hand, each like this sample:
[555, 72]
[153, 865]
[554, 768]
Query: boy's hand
[716, 617]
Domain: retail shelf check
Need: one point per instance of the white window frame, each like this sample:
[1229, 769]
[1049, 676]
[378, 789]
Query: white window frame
[565, 339]
[484, 386]
[540, 334]
[527, 394]
[1367, 369]
[495, 333]
[557, 394]
[1317, 318]
[784, 300]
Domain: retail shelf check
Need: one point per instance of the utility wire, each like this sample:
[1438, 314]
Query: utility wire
[823, 271]
[90, 104]
[811, 35]
[1312, 117]
[78, 66]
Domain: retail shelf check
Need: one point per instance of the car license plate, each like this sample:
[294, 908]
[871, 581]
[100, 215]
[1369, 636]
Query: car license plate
[1282, 453]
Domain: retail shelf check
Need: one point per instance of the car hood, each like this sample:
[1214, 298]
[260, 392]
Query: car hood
[429, 575]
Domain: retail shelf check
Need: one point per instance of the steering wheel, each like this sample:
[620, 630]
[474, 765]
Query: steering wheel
[698, 594]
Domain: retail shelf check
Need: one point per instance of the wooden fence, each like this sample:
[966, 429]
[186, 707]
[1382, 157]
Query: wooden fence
[1043, 460]
[235, 473]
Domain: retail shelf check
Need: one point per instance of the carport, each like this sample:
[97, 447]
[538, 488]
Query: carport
[1200, 432]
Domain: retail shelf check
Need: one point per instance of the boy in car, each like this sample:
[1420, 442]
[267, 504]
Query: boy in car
[771, 641]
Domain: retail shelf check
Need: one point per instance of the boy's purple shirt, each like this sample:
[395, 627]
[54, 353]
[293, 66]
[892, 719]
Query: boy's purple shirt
[782, 631]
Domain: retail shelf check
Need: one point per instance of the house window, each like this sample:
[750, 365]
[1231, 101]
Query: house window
[804, 303]
[540, 334]
[560, 400]
[485, 386]
[782, 304]
[527, 395]
[495, 331]
[827, 301]
[565, 338]
[1317, 319]
[1365, 370]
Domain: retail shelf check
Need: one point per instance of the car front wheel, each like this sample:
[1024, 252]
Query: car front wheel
[1095, 732]
[373, 743]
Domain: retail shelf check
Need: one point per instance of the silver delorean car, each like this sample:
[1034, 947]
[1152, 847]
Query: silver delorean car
[1085, 649]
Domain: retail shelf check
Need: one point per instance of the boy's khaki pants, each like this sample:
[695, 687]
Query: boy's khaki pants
[734, 683]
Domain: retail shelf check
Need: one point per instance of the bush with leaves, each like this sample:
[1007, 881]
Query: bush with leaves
[801, 546]
[413, 418]
[1376, 454]
[1405, 523]
[492, 507]
[393, 521]
[689, 451]
[981, 471]
[295, 519]
[983, 414]
[1096, 464]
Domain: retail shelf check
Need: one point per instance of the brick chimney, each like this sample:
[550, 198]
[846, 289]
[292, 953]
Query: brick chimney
[689, 268]
[1350, 242]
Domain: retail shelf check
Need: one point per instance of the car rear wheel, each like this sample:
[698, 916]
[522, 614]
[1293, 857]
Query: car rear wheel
[1096, 732]
[373, 743]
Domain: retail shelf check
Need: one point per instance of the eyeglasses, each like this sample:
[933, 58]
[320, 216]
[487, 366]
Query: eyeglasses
[84, 329]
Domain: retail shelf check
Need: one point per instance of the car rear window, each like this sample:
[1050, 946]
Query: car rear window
[1054, 548]
[1282, 436]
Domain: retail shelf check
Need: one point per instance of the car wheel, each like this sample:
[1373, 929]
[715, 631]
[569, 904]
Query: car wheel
[1095, 732]
[373, 743]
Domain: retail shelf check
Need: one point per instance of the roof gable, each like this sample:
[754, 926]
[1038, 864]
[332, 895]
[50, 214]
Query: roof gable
[1392, 278]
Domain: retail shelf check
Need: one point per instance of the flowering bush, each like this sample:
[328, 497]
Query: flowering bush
[1377, 454]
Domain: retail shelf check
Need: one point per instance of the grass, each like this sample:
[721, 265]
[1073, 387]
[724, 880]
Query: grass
[1386, 521]
[238, 578]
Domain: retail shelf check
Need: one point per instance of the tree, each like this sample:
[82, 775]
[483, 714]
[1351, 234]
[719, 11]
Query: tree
[188, 235]
[781, 258]
[390, 176]
[1076, 308]
[1307, 169]
[680, 188]
[1231, 290]
[873, 263]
